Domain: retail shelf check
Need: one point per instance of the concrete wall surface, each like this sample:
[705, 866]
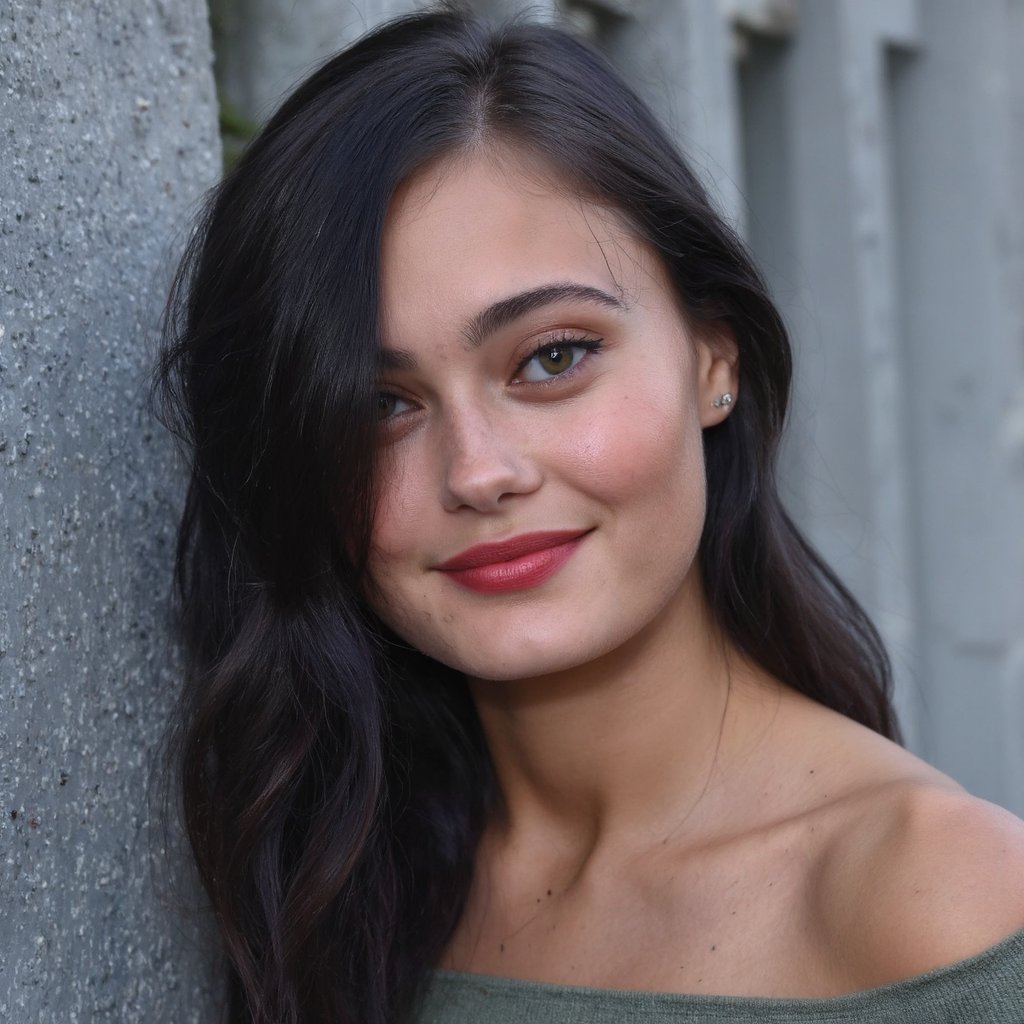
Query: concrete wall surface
[107, 138]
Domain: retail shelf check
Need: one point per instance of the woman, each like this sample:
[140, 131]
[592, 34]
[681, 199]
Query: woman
[512, 690]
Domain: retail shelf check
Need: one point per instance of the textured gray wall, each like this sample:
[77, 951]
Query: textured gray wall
[107, 138]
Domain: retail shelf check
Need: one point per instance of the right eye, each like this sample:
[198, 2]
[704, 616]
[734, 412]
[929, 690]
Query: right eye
[389, 405]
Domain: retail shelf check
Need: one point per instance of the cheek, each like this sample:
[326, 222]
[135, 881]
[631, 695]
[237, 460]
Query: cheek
[648, 474]
[402, 493]
[644, 451]
[396, 545]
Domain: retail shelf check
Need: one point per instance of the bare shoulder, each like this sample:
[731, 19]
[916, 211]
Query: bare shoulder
[918, 875]
[901, 871]
[906, 871]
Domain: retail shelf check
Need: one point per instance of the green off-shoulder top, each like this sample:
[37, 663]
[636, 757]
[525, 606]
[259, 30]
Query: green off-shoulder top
[984, 989]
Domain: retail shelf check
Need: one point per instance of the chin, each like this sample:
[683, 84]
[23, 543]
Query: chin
[515, 658]
[516, 667]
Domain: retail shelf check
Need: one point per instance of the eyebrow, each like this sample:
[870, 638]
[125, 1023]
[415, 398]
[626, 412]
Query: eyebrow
[506, 311]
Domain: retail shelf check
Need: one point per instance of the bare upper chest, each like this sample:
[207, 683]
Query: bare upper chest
[740, 918]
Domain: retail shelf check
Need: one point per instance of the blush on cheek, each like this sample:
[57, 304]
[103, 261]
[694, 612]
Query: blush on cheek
[642, 449]
[650, 460]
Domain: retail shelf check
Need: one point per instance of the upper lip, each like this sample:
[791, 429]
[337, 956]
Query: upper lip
[507, 550]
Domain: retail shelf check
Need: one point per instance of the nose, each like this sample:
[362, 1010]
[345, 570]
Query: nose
[486, 462]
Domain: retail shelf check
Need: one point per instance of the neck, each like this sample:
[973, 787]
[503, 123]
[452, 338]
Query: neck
[621, 749]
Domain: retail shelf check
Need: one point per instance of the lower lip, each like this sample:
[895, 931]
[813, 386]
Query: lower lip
[517, 574]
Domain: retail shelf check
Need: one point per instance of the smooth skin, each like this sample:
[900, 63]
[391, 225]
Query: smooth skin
[674, 818]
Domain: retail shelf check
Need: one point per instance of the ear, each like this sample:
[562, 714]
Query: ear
[718, 373]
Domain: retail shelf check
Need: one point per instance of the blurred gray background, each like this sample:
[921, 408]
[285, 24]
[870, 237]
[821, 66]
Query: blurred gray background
[872, 153]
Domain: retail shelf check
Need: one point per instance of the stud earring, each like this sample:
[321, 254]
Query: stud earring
[722, 400]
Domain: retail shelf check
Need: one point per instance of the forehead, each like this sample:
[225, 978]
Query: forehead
[479, 227]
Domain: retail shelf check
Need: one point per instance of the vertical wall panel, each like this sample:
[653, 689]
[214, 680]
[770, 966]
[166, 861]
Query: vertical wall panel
[882, 167]
[960, 205]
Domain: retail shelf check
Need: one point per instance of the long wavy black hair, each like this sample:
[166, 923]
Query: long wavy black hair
[335, 783]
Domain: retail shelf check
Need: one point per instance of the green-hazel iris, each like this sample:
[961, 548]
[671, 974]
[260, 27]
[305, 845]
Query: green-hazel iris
[555, 359]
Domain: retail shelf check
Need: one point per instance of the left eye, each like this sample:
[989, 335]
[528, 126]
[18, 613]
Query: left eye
[553, 360]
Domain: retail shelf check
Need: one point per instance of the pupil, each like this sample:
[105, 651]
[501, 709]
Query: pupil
[385, 404]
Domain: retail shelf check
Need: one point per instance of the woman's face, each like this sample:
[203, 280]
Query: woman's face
[541, 481]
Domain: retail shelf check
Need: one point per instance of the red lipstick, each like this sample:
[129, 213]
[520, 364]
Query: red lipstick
[514, 564]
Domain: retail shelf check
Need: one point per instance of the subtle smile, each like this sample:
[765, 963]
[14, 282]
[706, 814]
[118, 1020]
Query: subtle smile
[514, 564]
